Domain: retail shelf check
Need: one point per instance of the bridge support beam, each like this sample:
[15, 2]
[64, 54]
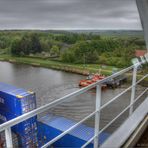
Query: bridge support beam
[8, 135]
[97, 116]
[143, 12]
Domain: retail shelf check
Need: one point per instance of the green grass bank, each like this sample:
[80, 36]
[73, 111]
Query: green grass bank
[48, 63]
[73, 68]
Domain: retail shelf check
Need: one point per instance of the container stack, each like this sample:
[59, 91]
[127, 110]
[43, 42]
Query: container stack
[13, 103]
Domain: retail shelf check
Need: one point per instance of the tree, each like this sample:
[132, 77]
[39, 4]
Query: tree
[92, 57]
[35, 43]
[45, 45]
[15, 47]
[55, 51]
[68, 56]
[25, 45]
[2, 44]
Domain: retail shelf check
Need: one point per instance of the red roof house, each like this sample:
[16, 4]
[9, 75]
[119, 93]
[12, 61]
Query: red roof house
[139, 53]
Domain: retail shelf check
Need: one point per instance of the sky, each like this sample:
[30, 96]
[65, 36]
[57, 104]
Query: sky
[69, 14]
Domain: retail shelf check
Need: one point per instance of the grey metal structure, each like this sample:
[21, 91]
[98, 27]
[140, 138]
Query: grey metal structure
[143, 12]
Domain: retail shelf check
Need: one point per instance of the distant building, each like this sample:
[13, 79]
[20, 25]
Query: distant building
[139, 53]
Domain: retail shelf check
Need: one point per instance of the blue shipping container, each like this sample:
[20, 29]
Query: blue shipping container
[13, 103]
[16, 100]
[50, 127]
[23, 128]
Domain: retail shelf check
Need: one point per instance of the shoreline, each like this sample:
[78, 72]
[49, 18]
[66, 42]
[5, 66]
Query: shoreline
[54, 67]
[38, 62]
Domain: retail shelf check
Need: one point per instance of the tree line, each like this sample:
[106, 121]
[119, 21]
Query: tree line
[70, 47]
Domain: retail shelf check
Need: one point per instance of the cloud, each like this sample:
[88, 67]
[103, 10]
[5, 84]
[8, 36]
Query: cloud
[69, 14]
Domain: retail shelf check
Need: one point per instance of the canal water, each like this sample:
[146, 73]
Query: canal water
[50, 85]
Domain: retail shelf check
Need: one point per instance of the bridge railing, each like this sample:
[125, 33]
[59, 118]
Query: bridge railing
[7, 126]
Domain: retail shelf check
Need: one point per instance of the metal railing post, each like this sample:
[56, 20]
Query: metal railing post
[97, 115]
[8, 137]
[133, 89]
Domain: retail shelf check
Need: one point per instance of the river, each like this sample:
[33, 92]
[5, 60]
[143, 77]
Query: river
[51, 84]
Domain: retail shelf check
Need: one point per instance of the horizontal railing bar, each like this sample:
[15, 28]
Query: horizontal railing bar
[113, 99]
[43, 108]
[123, 92]
[123, 111]
[88, 142]
[141, 79]
[140, 95]
[114, 119]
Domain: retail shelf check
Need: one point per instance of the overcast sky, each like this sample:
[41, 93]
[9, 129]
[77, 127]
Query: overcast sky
[69, 14]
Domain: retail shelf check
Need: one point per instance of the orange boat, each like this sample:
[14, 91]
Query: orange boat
[90, 80]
